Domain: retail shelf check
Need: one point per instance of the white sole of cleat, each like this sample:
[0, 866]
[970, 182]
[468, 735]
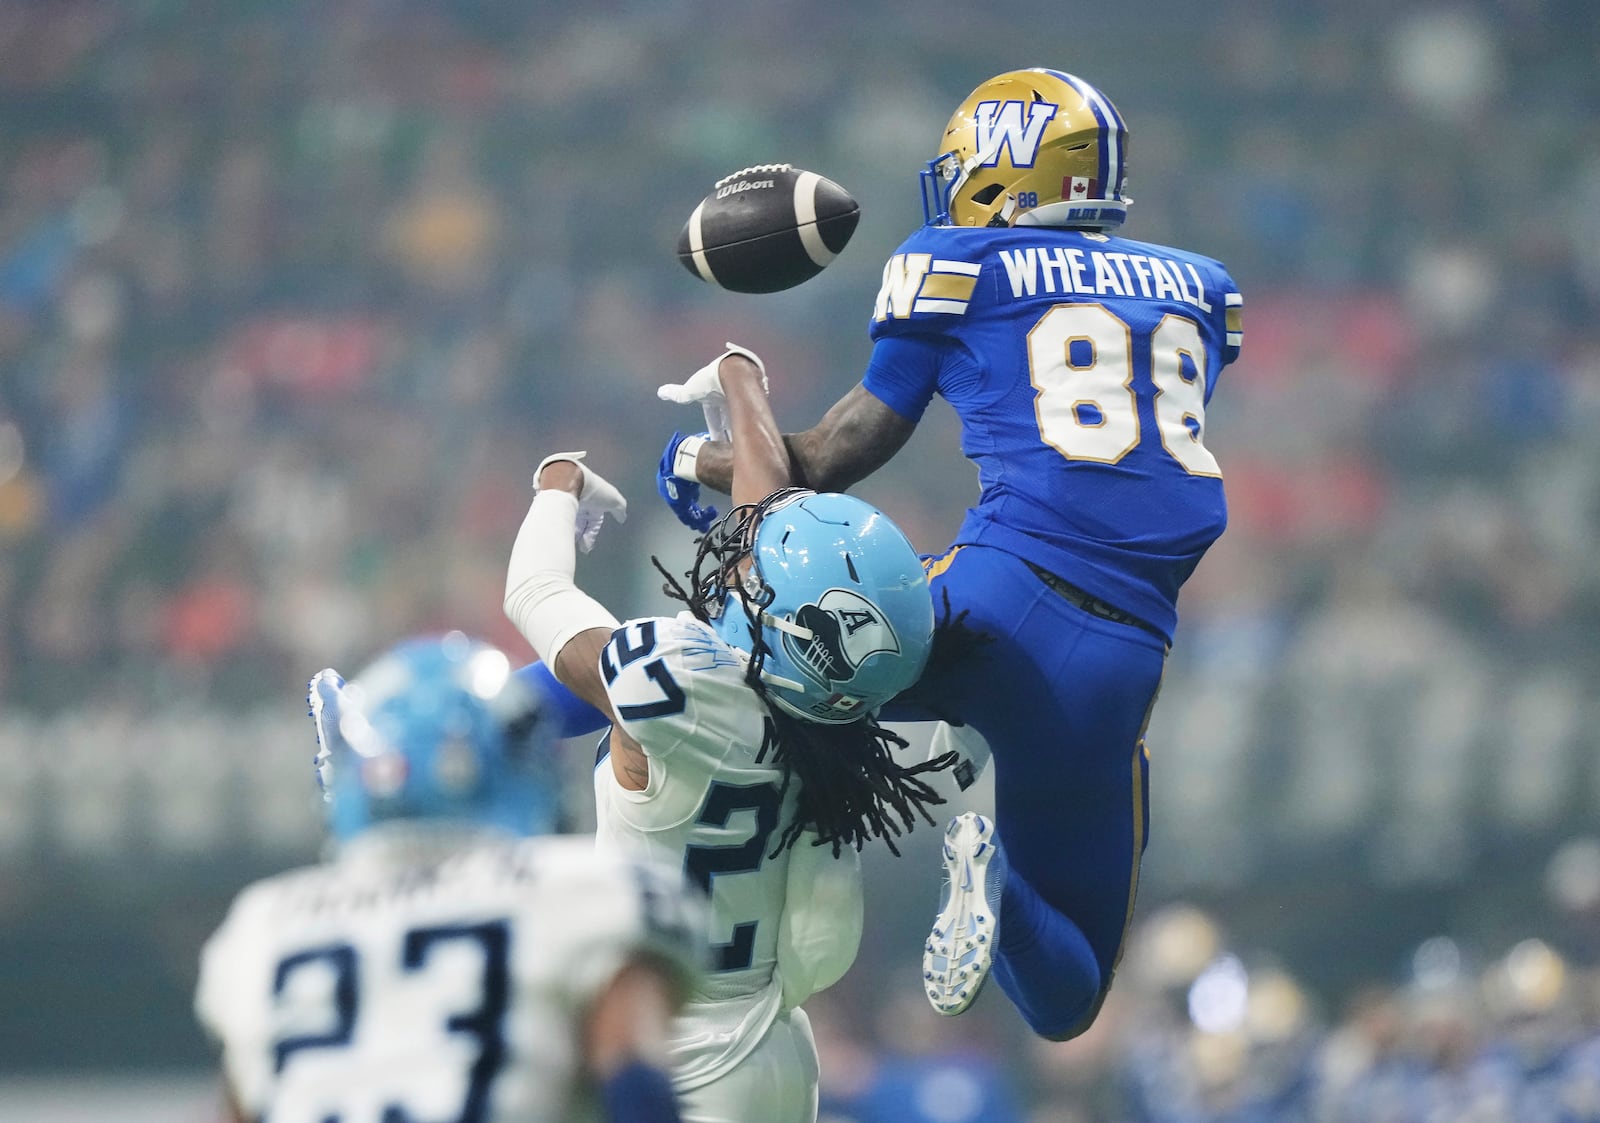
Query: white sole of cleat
[960, 949]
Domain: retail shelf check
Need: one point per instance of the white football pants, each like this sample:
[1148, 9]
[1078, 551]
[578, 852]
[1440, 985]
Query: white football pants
[776, 1083]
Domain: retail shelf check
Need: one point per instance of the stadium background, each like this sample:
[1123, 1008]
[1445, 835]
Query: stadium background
[294, 295]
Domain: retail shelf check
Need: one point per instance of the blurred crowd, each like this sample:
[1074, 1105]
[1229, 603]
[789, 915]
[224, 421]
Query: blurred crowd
[1199, 1030]
[292, 296]
[295, 293]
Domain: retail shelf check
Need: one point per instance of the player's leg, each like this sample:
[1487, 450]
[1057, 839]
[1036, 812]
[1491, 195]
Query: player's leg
[777, 1081]
[1061, 697]
[1073, 806]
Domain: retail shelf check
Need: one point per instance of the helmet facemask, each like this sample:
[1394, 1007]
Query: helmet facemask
[829, 602]
[851, 786]
[725, 568]
[726, 589]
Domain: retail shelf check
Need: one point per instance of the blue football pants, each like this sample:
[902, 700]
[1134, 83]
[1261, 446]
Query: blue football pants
[1062, 696]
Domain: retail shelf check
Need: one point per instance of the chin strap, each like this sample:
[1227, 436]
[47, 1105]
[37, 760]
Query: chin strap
[798, 631]
[771, 678]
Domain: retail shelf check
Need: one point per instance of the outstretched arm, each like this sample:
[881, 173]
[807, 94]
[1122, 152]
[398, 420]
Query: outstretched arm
[754, 460]
[565, 625]
[759, 461]
[855, 438]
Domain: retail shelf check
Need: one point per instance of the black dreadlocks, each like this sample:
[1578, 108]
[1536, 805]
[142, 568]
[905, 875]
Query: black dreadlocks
[954, 642]
[851, 787]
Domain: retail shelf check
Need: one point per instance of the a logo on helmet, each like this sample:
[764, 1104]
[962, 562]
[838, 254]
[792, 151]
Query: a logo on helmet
[846, 628]
[1000, 125]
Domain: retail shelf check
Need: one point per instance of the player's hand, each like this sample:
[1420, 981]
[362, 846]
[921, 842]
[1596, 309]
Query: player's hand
[597, 498]
[704, 386]
[683, 495]
[707, 382]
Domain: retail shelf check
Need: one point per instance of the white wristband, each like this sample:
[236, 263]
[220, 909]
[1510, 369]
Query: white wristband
[541, 599]
[683, 460]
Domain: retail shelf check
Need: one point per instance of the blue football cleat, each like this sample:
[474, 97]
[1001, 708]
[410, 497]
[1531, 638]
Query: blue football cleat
[966, 933]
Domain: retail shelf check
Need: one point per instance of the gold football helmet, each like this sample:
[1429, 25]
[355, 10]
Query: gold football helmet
[1031, 148]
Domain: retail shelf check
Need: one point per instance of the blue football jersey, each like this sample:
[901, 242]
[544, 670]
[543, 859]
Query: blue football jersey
[1080, 366]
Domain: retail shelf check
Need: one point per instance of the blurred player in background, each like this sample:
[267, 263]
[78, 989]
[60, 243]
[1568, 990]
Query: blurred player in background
[442, 965]
[1080, 365]
[740, 746]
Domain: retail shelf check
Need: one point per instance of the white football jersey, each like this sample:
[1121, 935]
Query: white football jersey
[715, 807]
[412, 978]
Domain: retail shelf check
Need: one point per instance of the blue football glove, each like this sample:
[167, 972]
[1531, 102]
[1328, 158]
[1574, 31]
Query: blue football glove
[682, 495]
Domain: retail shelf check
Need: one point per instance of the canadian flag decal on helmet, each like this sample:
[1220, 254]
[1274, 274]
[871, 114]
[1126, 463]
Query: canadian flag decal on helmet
[845, 628]
[1079, 187]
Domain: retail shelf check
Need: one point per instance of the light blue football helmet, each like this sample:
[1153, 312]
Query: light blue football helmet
[849, 622]
[436, 729]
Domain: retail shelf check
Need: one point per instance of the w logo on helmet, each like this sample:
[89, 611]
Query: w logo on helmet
[1001, 125]
[845, 629]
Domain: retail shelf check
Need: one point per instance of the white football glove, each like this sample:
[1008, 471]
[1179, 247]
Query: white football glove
[597, 500]
[705, 386]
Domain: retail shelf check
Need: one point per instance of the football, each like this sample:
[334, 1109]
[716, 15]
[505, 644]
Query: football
[767, 228]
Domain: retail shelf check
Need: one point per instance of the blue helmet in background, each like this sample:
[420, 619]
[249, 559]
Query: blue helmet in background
[842, 605]
[435, 730]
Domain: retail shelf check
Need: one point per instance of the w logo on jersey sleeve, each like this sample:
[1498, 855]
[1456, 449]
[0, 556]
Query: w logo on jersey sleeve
[1013, 125]
[918, 283]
